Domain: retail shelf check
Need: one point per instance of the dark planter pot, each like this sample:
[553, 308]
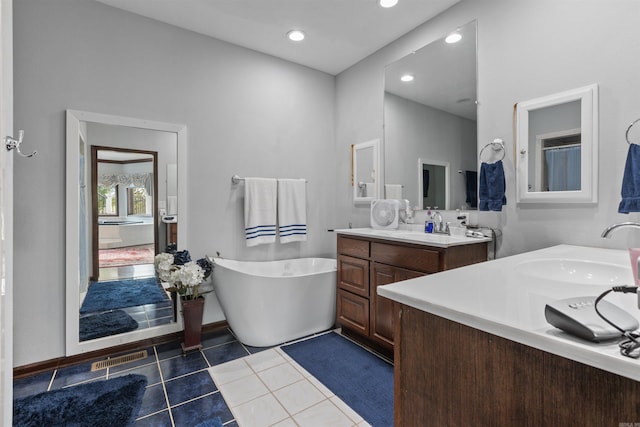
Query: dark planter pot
[192, 315]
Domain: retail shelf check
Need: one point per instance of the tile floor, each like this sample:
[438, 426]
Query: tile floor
[244, 386]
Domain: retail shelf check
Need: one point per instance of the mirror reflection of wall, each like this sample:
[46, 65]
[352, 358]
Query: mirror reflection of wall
[435, 185]
[555, 148]
[365, 164]
[433, 116]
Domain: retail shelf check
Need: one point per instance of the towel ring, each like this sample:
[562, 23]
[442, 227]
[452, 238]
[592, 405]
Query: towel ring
[626, 134]
[496, 145]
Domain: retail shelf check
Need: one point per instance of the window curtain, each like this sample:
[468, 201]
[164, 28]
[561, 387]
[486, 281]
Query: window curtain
[137, 180]
[563, 169]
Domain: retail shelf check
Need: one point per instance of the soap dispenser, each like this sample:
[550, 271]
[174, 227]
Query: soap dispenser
[428, 224]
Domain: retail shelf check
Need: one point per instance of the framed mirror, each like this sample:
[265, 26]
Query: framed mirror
[430, 113]
[365, 164]
[557, 147]
[121, 173]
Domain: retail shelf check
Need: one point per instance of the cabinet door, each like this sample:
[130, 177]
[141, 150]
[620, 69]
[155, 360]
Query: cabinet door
[353, 275]
[353, 312]
[384, 311]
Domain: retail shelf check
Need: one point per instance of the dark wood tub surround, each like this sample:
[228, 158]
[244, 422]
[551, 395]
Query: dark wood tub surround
[364, 263]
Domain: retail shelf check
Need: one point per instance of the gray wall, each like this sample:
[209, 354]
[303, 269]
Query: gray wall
[526, 49]
[245, 112]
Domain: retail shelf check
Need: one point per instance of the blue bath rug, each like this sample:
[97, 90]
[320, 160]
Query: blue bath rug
[103, 296]
[362, 380]
[100, 325]
[106, 403]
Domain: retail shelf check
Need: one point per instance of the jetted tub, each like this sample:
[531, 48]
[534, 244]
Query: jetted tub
[270, 302]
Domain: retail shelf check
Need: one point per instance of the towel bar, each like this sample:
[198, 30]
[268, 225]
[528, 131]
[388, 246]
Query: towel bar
[235, 179]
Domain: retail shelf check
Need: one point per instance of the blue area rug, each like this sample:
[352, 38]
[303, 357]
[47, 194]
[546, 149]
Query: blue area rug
[362, 380]
[103, 296]
[106, 403]
[100, 325]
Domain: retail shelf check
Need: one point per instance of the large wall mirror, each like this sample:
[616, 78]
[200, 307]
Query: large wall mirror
[124, 176]
[557, 147]
[430, 113]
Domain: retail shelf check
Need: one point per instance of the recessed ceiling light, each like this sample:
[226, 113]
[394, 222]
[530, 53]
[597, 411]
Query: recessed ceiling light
[387, 3]
[407, 78]
[453, 38]
[295, 35]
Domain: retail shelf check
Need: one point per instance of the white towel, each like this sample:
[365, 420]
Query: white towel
[260, 210]
[393, 191]
[292, 210]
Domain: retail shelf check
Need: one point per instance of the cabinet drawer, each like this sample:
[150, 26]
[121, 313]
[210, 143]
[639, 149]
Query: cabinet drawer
[413, 258]
[353, 312]
[353, 247]
[353, 275]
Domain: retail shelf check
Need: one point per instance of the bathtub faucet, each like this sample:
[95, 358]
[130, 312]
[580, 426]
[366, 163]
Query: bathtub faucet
[607, 232]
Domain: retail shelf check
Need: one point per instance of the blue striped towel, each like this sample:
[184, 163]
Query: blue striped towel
[292, 210]
[260, 210]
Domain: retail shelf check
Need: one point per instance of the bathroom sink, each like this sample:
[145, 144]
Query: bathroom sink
[577, 271]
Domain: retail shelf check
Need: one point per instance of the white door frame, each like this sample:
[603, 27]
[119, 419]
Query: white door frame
[6, 214]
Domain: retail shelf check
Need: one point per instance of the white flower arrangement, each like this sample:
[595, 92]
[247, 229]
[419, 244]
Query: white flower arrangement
[183, 275]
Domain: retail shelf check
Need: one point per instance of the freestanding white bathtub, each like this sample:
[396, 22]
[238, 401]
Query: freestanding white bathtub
[270, 302]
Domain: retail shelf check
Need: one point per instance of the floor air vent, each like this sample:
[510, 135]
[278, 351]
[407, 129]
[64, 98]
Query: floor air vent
[120, 360]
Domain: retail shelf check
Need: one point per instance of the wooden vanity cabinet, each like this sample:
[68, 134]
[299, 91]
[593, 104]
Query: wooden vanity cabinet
[366, 263]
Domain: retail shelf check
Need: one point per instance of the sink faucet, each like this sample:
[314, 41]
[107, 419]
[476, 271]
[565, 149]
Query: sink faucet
[606, 233]
[437, 222]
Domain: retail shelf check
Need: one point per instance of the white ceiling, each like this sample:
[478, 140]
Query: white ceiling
[445, 75]
[339, 32]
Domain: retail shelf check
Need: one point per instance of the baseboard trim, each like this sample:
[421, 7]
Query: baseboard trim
[62, 362]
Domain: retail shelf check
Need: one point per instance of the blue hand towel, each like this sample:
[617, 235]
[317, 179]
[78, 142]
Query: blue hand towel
[492, 186]
[631, 182]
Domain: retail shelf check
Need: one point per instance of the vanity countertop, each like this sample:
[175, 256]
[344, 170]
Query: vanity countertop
[507, 297]
[414, 236]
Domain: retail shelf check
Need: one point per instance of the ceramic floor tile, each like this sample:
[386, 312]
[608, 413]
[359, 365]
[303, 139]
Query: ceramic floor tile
[217, 338]
[230, 371]
[31, 385]
[299, 396]
[205, 408]
[265, 360]
[224, 353]
[323, 389]
[161, 419]
[279, 376]
[153, 400]
[150, 371]
[151, 358]
[286, 423]
[189, 387]
[353, 415]
[261, 412]
[182, 365]
[75, 375]
[243, 390]
[323, 414]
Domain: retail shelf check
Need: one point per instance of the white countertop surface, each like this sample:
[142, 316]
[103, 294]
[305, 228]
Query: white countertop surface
[506, 297]
[414, 236]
